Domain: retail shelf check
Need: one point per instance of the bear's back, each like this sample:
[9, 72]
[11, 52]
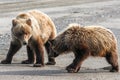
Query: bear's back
[47, 27]
[95, 37]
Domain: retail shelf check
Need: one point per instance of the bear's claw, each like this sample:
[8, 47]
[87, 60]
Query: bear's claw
[71, 69]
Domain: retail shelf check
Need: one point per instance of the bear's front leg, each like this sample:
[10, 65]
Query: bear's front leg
[51, 59]
[14, 47]
[72, 68]
[39, 56]
[39, 50]
[80, 56]
[31, 56]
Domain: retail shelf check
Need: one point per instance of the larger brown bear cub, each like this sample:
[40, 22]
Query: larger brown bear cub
[85, 42]
[33, 29]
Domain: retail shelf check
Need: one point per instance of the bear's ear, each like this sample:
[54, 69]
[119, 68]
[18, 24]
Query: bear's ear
[28, 21]
[14, 22]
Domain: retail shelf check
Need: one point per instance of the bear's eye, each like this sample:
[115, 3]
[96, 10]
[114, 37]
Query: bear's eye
[25, 33]
[19, 34]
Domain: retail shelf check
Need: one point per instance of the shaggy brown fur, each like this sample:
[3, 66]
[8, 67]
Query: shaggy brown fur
[85, 42]
[33, 29]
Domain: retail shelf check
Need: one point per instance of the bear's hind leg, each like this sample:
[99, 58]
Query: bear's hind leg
[80, 56]
[31, 56]
[112, 58]
[51, 60]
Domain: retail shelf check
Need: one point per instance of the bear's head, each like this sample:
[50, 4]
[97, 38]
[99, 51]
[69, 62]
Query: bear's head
[22, 30]
[53, 51]
[58, 46]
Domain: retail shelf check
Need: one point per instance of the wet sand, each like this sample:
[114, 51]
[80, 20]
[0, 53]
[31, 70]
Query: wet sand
[85, 12]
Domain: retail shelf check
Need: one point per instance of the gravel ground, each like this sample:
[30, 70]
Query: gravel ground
[85, 12]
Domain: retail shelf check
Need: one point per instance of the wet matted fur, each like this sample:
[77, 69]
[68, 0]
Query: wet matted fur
[84, 42]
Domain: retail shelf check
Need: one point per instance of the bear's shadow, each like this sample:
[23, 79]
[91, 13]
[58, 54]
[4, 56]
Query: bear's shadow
[33, 72]
[52, 72]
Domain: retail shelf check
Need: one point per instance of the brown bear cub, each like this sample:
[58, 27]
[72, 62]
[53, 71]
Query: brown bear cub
[33, 29]
[85, 42]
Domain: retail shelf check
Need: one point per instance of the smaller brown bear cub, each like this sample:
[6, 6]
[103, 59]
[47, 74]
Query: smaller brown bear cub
[85, 42]
[33, 29]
